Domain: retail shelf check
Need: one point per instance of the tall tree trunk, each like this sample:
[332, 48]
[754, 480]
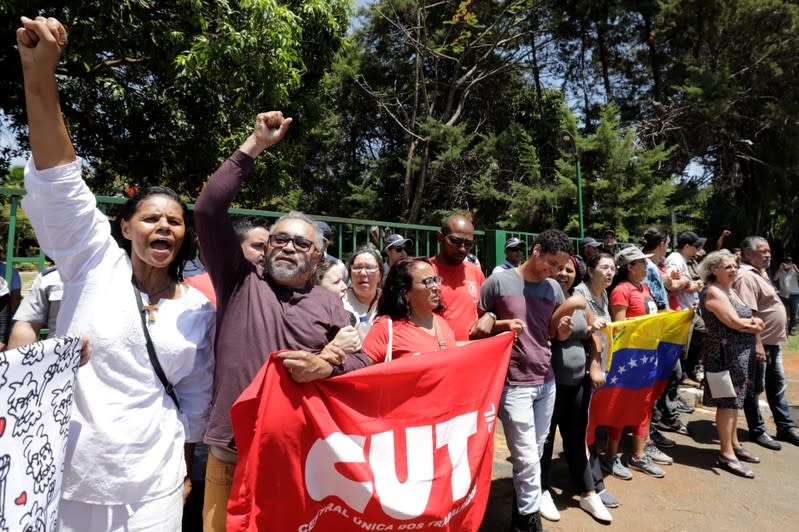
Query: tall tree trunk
[583, 77]
[535, 66]
[418, 195]
[654, 62]
[601, 32]
[406, 191]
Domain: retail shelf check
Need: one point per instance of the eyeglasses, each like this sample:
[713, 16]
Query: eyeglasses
[430, 282]
[364, 269]
[281, 241]
[458, 242]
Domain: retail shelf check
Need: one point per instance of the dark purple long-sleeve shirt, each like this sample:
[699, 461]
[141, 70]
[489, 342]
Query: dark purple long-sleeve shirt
[255, 315]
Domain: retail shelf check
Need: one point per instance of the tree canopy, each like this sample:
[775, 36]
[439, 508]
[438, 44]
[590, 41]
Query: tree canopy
[681, 111]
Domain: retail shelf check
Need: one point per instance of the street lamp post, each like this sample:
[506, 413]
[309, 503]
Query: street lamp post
[570, 140]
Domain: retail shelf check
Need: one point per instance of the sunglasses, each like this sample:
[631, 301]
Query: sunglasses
[458, 242]
[282, 240]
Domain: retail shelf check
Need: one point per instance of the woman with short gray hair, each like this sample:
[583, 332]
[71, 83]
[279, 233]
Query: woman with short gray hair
[729, 356]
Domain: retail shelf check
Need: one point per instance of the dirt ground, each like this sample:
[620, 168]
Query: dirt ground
[693, 496]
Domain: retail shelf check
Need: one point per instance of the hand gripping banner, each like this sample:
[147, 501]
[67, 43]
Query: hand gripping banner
[403, 445]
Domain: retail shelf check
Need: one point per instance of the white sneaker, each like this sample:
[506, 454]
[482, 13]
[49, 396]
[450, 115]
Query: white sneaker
[593, 505]
[548, 509]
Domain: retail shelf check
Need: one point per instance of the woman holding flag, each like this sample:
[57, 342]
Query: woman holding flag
[729, 347]
[630, 298]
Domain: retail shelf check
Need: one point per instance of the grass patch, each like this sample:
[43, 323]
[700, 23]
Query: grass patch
[793, 344]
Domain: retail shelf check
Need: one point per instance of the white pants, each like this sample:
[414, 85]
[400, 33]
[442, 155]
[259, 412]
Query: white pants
[159, 515]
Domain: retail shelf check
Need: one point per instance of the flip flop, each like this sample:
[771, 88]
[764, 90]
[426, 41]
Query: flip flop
[745, 456]
[735, 467]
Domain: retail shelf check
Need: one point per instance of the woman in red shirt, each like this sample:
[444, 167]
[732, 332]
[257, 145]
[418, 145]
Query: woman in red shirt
[407, 322]
[630, 298]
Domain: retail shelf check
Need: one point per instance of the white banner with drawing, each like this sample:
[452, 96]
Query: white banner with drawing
[36, 383]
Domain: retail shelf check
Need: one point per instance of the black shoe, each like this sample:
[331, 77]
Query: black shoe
[527, 523]
[791, 436]
[764, 440]
[672, 426]
[660, 440]
[683, 407]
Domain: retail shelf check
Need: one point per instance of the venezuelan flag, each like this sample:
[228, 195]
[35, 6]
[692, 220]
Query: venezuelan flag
[638, 358]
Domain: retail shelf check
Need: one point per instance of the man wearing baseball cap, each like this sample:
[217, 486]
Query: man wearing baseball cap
[688, 243]
[514, 254]
[609, 241]
[589, 248]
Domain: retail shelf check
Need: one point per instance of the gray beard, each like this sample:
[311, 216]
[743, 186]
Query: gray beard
[287, 274]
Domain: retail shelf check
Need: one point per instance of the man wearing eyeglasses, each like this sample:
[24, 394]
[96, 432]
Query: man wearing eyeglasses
[261, 309]
[460, 289]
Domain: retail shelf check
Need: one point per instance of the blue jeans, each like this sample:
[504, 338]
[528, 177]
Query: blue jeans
[792, 308]
[526, 412]
[775, 387]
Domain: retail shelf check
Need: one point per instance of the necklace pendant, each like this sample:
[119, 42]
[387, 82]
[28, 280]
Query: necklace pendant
[150, 310]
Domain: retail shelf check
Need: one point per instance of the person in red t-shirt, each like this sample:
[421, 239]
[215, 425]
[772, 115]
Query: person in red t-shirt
[460, 288]
[407, 323]
[631, 298]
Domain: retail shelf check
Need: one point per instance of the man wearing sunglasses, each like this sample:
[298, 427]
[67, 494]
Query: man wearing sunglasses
[261, 309]
[460, 289]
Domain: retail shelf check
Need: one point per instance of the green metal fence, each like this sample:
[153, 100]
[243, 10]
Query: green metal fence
[348, 234]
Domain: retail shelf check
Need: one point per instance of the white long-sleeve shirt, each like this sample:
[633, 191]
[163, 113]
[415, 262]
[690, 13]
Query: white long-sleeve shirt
[126, 435]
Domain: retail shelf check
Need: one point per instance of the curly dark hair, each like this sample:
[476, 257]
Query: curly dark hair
[187, 250]
[554, 241]
[399, 280]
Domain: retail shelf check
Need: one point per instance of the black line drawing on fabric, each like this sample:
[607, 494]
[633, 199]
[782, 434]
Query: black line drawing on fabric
[31, 354]
[66, 358]
[41, 465]
[3, 368]
[62, 406]
[23, 404]
[5, 467]
[33, 521]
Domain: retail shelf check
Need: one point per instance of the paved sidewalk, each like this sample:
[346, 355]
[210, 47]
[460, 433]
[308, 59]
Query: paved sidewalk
[694, 495]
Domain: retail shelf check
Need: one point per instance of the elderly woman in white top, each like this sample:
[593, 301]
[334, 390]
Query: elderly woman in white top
[366, 273]
[126, 463]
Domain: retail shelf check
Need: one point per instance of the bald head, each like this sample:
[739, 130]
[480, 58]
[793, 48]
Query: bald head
[456, 238]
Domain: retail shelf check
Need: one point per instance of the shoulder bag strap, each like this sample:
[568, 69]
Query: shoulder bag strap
[390, 339]
[442, 344]
[159, 371]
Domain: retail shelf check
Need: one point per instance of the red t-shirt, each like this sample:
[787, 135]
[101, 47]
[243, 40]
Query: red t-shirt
[638, 300]
[407, 339]
[460, 293]
[202, 282]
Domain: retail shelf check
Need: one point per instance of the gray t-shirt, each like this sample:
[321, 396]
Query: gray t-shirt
[509, 296]
[43, 301]
[568, 356]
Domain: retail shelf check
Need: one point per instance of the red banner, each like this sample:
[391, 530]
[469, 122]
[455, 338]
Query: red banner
[403, 445]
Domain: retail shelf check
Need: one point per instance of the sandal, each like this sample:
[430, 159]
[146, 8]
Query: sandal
[745, 456]
[735, 467]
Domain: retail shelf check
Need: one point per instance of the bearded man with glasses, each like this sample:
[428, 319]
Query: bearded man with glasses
[263, 308]
[460, 289]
